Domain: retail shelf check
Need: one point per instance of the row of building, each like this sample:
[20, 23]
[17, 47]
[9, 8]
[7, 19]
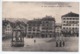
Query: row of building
[45, 27]
[8, 27]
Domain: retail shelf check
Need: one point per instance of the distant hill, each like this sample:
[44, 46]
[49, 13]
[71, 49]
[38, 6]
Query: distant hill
[16, 19]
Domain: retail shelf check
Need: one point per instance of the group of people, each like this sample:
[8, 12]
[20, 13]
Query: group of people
[60, 41]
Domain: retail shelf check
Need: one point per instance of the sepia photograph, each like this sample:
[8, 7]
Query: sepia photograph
[40, 26]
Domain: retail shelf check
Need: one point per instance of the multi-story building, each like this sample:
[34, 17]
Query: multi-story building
[47, 26]
[7, 29]
[41, 27]
[70, 23]
[33, 28]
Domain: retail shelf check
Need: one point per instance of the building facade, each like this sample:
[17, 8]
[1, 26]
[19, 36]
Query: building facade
[41, 28]
[58, 28]
[47, 26]
[70, 23]
[33, 28]
[7, 29]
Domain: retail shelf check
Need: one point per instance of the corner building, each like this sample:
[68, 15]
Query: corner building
[70, 23]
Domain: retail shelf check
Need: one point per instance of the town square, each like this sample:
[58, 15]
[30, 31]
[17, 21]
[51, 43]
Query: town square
[42, 29]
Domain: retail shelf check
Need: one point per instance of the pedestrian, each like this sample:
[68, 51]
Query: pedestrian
[60, 44]
[63, 43]
[63, 39]
[56, 43]
[34, 41]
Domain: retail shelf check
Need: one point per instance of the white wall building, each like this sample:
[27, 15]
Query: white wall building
[70, 22]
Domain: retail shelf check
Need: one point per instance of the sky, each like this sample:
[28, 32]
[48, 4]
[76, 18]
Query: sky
[37, 10]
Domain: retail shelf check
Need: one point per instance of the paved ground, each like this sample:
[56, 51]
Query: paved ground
[45, 44]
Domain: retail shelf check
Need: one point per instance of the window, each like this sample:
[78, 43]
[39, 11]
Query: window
[63, 27]
[46, 22]
[73, 18]
[29, 29]
[33, 29]
[42, 24]
[70, 18]
[69, 28]
[69, 24]
[72, 28]
[63, 18]
[29, 32]
[6, 29]
[37, 29]
[76, 28]
[72, 21]
[50, 31]
[67, 18]
[66, 28]
[77, 21]
[67, 21]
[64, 22]
[77, 24]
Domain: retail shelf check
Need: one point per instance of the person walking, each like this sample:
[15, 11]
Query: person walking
[34, 41]
[63, 40]
[57, 40]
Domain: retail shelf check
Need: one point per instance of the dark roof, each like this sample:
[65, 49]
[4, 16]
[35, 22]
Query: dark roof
[71, 14]
[17, 23]
[48, 18]
[35, 21]
[38, 21]
[13, 24]
[5, 23]
[58, 25]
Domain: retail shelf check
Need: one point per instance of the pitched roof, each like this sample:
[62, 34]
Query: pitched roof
[49, 18]
[38, 21]
[17, 24]
[71, 14]
[35, 21]
[21, 25]
[5, 23]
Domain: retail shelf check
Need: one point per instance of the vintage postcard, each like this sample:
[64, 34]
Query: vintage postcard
[40, 26]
